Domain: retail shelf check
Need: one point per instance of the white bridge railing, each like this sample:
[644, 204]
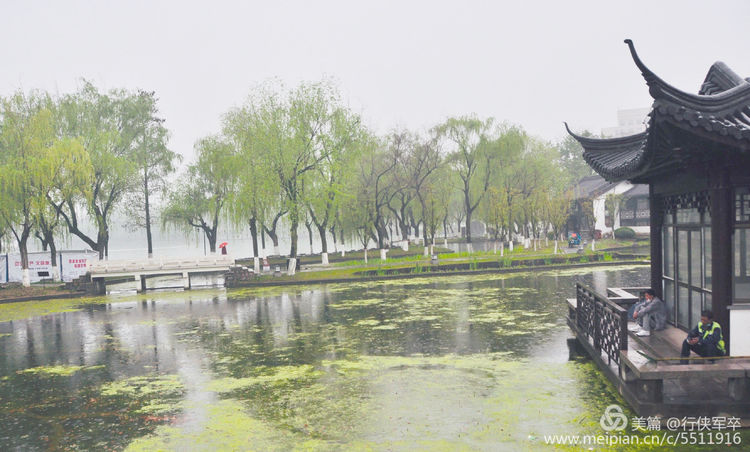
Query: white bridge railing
[159, 265]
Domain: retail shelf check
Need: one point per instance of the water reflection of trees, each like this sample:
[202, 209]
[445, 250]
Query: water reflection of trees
[243, 336]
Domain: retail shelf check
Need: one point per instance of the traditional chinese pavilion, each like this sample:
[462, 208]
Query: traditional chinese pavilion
[695, 158]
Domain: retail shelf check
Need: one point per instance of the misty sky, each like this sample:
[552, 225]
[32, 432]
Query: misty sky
[399, 63]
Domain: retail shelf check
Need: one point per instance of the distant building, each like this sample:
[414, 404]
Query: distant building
[590, 199]
[629, 122]
[478, 229]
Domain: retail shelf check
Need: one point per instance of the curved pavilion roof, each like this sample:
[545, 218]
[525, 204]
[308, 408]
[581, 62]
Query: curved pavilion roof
[720, 113]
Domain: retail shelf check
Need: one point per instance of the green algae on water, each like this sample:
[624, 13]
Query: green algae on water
[145, 386]
[228, 427]
[56, 371]
[418, 365]
[279, 375]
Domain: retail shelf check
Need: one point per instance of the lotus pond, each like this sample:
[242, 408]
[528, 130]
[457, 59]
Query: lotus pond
[454, 363]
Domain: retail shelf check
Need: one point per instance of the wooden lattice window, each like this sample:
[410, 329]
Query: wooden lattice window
[742, 205]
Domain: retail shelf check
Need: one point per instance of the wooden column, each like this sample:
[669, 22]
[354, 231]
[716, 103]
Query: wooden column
[722, 221]
[656, 217]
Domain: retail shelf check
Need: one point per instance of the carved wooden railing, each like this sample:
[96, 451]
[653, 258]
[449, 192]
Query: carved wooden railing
[602, 321]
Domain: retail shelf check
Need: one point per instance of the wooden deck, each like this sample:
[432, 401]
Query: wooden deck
[666, 388]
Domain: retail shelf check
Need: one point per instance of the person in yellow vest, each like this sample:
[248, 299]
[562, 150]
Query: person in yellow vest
[705, 339]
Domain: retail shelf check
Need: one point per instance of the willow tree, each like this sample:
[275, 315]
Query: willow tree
[26, 132]
[494, 211]
[357, 215]
[366, 189]
[423, 161]
[375, 171]
[507, 176]
[107, 125]
[294, 124]
[152, 159]
[255, 189]
[535, 173]
[33, 163]
[341, 144]
[434, 198]
[401, 191]
[199, 201]
[557, 211]
[468, 141]
[67, 167]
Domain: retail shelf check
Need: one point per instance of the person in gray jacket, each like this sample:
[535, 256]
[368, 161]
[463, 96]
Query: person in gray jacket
[652, 315]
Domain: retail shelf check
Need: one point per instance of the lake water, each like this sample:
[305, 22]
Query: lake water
[474, 363]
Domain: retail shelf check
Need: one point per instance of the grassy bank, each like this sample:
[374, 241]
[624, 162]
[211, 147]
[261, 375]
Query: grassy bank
[15, 291]
[416, 253]
[449, 262]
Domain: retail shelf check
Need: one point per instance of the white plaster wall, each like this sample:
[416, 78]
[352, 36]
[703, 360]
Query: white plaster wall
[600, 214]
[641, 230]
[600, 211]
[739, 334]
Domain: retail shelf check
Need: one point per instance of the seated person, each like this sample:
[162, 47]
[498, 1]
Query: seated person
[634, 307]
[705, 339]
[652, 315]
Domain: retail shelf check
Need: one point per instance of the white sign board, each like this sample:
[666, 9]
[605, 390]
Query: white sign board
[3, 268]
[738, 334]
[40, 267]
[71, 265]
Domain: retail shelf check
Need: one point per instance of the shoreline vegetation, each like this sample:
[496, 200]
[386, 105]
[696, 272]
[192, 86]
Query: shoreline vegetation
[286, 159]
[399, 265]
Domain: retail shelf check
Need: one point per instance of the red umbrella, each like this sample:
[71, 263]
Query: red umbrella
[223, 244]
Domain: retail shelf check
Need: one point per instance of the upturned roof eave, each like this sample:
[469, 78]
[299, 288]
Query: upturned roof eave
[728, 99]
[722, 116]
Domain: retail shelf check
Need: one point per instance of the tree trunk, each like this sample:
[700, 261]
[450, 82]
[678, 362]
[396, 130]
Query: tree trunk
[323, 239]
[23, 249]
[274, 240]
[71, 220]
[211, 236]
[272, 233]
[42, 241]
[325, 242]
[294, 218]
[308, 226]
[101, 241]
[49, 238]
[53, 259]
[468, 226]
[254, 235]
[405, 229]
[382, 233]
[149, 240]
